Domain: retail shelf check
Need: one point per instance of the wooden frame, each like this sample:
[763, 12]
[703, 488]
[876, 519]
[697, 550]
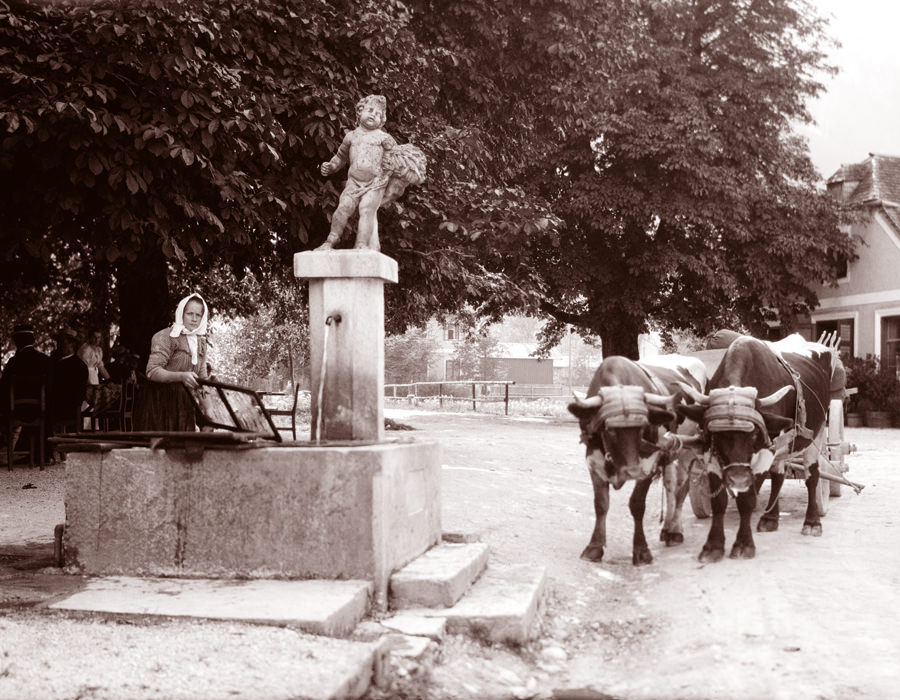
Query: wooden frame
[235, 408]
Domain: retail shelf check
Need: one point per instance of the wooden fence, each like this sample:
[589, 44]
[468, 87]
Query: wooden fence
[491, 391]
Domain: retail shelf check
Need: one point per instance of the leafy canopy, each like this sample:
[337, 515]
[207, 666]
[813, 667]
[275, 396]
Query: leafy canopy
[606, 163]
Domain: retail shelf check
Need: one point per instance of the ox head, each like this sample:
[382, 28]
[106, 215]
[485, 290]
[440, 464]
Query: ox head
[620, 430]
[737, 429]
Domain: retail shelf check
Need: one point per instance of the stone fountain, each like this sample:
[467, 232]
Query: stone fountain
[347, 504]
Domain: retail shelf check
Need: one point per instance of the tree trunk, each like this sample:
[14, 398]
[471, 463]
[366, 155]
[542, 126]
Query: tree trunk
[620, 337]
[143, 301]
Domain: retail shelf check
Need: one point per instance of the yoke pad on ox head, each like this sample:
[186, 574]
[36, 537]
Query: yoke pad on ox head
[623, 407]
[733, 409]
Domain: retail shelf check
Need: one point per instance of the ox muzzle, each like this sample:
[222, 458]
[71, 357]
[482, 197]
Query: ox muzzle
[622, 420]
[737, 430]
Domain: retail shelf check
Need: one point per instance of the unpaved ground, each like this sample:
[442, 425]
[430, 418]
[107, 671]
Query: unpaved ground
[807, 618]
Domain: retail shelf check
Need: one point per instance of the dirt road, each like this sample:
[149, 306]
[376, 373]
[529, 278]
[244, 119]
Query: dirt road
[807, 618]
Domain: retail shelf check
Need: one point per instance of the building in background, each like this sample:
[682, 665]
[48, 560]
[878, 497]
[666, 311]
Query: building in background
[864, 307]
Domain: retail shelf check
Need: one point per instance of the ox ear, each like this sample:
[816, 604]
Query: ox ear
[660, 416]
[580, 410]
[776, 424]
[691, 411]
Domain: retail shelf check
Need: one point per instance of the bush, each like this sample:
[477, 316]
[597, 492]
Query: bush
[878, 388]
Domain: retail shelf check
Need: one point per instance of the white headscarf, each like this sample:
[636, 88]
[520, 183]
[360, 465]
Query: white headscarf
[179, 329]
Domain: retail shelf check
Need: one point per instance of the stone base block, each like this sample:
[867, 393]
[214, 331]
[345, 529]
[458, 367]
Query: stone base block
[293, 512]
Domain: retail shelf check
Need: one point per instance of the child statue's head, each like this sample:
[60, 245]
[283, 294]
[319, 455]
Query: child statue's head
[374, 106]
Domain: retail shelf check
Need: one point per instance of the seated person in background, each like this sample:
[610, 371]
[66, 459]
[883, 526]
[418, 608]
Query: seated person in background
[70, 378]
[91, 353]
[123, 364]
[28, 361]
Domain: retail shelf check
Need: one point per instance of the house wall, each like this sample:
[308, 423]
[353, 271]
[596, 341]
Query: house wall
[523, 370]
[871, 289]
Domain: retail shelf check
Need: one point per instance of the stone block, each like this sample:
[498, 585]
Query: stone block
[293, 512]
[322, 264]
[439, 577]
[502, 606]
[331, 608]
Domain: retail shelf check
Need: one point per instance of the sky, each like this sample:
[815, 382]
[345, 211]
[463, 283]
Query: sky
[860, 112]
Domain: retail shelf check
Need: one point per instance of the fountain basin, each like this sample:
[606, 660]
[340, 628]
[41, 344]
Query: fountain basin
[293, 511]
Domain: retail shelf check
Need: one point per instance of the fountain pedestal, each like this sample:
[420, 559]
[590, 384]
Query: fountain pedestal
[346, 334]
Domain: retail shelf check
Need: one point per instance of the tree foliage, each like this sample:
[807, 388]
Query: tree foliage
[604, 162]
[407, 356]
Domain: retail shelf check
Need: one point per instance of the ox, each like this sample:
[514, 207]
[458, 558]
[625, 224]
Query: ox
[745, 436]
[625, 419]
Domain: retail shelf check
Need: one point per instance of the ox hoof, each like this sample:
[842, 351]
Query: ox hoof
[671, 538]
[593, 552]
[767, 525]
[812, 529]
[743, 551]
[641, 556]
[711, 554]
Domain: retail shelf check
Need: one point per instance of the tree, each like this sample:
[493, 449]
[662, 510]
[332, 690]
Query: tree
[605, 163]
[687, 199]
[408, 356]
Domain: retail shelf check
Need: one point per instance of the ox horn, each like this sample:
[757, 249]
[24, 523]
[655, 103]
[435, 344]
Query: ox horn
[660, 400]
[699, 398]
[589, 402]
[776, 397]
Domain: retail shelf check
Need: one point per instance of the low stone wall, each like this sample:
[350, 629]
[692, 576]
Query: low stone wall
[327, 512]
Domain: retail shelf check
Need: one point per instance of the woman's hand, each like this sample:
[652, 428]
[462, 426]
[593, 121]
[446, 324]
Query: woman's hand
[189, 379]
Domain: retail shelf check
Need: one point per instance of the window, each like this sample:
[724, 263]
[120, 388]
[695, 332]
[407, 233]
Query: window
[843, 327]
[451, 370]
[451, 332]
[890, 342]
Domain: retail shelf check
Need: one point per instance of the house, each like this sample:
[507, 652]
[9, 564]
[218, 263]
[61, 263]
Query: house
[508, 354]
[864, 307]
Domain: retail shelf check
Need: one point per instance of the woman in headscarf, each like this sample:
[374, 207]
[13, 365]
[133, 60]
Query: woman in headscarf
[177, 360]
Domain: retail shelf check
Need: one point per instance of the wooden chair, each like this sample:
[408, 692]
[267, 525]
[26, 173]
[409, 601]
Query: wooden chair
[126, 417]
[292, 412]
[118, 413]
[27, 417]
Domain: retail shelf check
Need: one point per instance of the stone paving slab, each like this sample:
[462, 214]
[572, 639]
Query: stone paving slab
[440, 576]
[180, 659]
[320, 607]
[502, 606]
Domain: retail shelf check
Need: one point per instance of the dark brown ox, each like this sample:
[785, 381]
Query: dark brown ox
[746, 436]
[626, 419]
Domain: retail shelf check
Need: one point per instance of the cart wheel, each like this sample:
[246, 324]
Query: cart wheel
[701, 503]
[836, 437]
[823, 493]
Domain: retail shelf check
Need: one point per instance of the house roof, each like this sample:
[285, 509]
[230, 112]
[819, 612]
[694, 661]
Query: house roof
[877, 178]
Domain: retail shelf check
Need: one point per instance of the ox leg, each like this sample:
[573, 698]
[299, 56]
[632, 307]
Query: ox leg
[744, 547]
[594, 549]
[811, 524]
[714, 549]
[676, 484]
[640, 553]
[768, 522]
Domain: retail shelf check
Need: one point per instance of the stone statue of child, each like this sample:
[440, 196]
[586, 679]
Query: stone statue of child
[379, 172]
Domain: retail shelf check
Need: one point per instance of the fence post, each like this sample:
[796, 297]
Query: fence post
[506, 398]
[473, 396]
[441, 395]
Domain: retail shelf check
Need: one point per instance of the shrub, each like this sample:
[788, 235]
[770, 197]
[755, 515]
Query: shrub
[878, 388]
